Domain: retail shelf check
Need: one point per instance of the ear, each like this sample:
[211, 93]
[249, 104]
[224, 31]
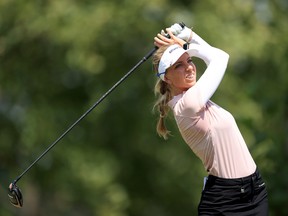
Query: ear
[167, 80]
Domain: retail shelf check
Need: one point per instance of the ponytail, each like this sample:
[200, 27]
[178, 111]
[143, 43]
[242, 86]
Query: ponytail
[163, 92]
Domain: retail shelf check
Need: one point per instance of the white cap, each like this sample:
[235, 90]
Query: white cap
[169, 57]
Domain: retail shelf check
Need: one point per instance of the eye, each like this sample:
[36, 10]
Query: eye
[178, 65]
[190, 61]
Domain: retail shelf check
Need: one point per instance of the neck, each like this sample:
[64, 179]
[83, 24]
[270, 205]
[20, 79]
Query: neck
[177, 91]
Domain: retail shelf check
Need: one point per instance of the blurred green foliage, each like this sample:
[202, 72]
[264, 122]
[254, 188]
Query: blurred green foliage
[58, 57]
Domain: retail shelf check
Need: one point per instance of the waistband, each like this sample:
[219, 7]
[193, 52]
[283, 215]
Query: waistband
[234, 181]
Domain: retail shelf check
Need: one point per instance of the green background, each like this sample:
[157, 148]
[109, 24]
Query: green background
[58, 57]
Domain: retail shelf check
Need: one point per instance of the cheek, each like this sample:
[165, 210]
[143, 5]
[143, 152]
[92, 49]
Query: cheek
[174, 78]
[180, 79]
[194, 67]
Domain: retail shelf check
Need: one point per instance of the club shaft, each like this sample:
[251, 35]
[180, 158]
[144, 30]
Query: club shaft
[147, 56]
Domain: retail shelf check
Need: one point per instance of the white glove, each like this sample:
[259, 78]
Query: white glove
[183, 33]
[175, 29]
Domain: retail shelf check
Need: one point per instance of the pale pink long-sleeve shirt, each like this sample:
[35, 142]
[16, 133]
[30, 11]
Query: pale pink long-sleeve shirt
[209, 130]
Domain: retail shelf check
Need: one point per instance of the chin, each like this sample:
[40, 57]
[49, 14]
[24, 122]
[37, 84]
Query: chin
[189, 85]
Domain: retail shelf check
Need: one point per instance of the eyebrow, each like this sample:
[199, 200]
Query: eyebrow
[180, 62]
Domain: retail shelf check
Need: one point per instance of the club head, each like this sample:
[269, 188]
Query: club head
[15, 195]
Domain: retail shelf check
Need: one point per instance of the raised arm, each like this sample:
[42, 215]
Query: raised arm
[216, 60]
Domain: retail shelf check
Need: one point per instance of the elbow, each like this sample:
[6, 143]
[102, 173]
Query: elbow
[227, 56]
[220, 55]
[217, 55]
[221, 60]
[224, 57]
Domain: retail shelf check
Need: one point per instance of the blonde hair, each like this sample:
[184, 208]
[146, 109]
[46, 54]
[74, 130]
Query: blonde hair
[162, 90]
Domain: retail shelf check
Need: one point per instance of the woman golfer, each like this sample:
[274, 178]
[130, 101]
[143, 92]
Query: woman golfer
[234, 185]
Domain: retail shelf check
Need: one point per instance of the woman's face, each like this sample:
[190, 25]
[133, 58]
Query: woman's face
[181, 75]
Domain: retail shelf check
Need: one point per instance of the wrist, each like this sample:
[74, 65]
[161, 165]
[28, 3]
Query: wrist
[190, 37]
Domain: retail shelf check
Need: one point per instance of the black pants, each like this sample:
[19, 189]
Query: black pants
[241, 197]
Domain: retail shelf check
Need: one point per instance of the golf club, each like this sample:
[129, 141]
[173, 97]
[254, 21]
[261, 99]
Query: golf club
[14, 192]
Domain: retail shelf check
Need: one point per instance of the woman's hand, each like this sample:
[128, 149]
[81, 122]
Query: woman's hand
[162, 40]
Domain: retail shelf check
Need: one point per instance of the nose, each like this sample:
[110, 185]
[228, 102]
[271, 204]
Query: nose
[189, 67]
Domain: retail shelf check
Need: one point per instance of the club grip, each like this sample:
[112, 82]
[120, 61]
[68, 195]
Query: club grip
[182, 24]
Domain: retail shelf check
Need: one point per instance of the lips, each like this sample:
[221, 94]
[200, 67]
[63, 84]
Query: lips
[190, 76]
